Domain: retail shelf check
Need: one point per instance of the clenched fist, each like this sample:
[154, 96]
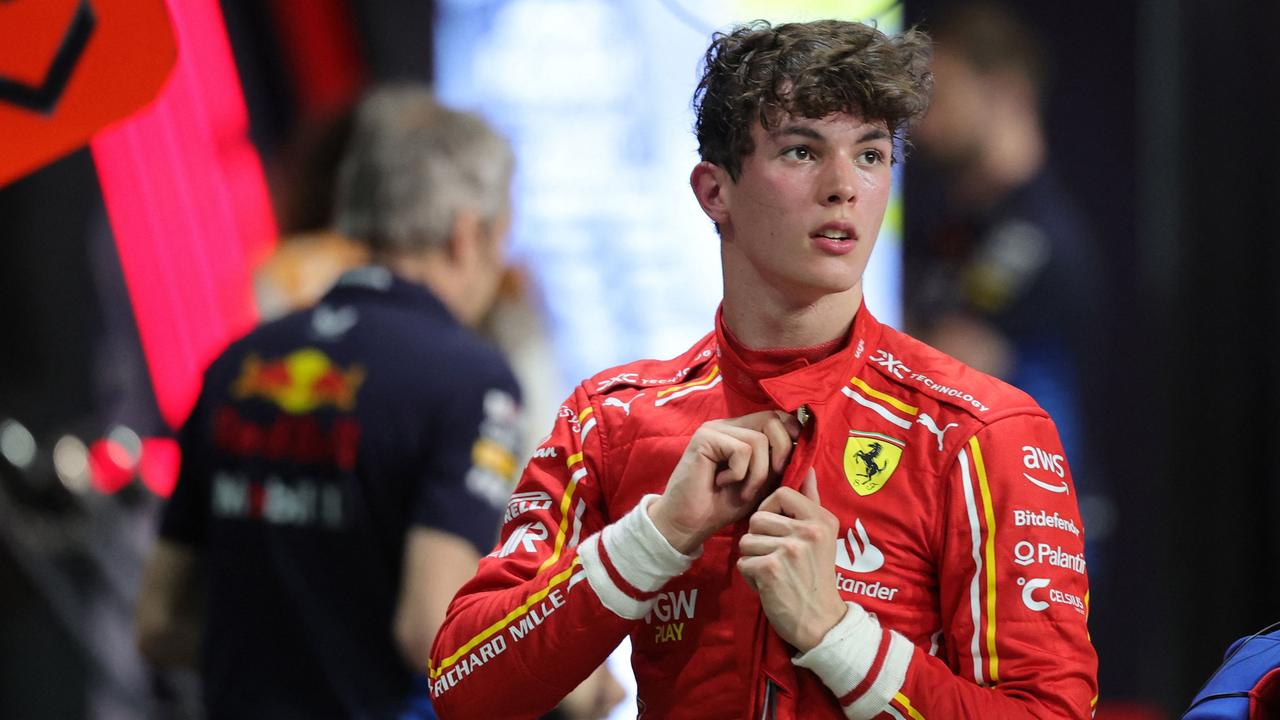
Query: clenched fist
[726, 469]
[788, 558]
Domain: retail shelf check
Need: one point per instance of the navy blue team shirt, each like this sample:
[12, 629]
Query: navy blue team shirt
[318, 440]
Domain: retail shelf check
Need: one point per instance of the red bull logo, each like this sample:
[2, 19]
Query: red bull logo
[300, 382]
[287, 438]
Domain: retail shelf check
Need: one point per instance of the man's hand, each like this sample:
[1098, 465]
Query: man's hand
[726, 468]
[788, 558]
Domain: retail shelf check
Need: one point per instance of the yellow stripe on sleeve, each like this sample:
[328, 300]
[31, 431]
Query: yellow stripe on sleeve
[565, 503]
[436, 672]
[715, 370]
[992, 659]
[906, 705]
[885, 397]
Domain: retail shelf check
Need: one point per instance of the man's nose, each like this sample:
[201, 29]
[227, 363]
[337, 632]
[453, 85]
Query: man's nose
[838, 183]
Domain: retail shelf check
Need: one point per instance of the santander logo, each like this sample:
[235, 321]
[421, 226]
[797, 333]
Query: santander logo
[856, 553]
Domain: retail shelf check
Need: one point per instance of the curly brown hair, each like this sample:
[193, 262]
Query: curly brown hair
[760, 72]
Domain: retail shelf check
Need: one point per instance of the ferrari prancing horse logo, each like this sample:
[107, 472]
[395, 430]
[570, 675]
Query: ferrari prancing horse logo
[869, 460]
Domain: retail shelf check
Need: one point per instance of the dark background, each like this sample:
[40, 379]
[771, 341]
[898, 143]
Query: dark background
[1162, 122]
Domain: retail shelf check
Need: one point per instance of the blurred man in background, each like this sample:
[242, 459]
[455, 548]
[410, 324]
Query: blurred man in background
[1006, 278]
[346, 466]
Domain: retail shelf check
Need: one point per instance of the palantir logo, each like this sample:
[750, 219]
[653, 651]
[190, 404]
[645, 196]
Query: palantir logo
[855, 557]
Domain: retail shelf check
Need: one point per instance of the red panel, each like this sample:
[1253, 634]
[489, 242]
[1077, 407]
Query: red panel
[320, 48]
[188, 202]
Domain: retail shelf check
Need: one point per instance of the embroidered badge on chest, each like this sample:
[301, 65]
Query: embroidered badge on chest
[869, 460]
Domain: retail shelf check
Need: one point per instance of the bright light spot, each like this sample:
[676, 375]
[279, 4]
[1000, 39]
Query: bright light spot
[71, 462]
[128, 441]
[17, 444]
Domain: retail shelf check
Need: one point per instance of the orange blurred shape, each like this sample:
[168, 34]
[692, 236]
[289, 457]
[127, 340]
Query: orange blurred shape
[262, 378]
[68, 68]
[31, 34]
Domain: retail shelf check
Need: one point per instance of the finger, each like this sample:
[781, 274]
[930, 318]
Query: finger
[789, 423]
[770, 523]
[780, 441]
[758, 462]
[757, 421]
[747, 570]
[753, 545]
[756, 569]
[739, 461]
[786, 501]
[809, 488]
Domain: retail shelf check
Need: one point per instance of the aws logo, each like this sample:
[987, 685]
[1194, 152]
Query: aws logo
[1035, 458]
[869, 460]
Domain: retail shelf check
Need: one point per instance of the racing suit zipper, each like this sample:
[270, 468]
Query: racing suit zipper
[769, 708]
[769, 712]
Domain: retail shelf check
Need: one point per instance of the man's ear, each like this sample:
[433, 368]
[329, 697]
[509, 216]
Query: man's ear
[713, 188]
[465, 238]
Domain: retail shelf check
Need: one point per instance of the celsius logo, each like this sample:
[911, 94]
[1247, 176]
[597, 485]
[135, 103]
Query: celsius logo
[1029, 587]
[855, 557]
[1055, 596]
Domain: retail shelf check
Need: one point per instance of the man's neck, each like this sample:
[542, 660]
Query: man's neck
[761, 320]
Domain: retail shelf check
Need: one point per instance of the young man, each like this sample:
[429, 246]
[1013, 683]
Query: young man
[808, 514]
[346, 466]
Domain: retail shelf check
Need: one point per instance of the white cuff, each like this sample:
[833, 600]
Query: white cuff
[640, 553]
[640, 556]
[845, 655]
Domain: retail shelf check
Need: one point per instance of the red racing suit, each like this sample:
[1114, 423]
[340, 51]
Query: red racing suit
[959, 536]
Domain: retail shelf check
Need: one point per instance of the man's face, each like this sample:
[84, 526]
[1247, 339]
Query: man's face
[490, 264]
[951, 133]
[804, 214]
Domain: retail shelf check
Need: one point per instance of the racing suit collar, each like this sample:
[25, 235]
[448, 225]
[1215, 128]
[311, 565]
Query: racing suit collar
[378, 280]
[752, 386]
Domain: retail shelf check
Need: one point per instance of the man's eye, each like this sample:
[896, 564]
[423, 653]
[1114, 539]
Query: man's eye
[799, 152]
[872, 157]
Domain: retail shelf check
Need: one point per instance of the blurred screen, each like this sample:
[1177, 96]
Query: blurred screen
[596, 96]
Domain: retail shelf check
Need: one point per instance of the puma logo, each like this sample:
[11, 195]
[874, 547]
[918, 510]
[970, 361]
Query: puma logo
[932, 426]
[626, 406]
